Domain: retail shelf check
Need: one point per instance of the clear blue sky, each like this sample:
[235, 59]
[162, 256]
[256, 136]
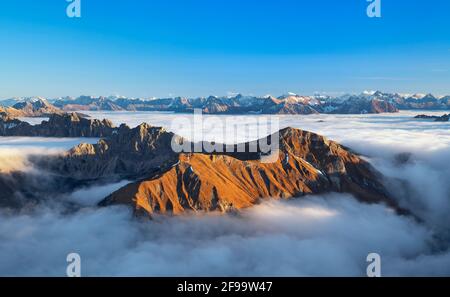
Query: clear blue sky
[201, 47]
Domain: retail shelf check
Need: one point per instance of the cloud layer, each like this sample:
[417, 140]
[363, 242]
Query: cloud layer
[329, 235]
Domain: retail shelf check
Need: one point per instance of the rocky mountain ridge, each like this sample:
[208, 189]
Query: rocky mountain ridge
[289, 104]
[58, 125]
[37, 108]
[307, 163]
[170, 182]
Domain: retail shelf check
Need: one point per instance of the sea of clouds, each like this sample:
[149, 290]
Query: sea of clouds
[317, 236]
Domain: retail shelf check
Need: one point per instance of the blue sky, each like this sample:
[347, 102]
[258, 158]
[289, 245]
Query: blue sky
[200, 47]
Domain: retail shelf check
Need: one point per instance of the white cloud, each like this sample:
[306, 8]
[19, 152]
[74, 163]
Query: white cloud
[328, 235]
[15, 151]
[91, 196]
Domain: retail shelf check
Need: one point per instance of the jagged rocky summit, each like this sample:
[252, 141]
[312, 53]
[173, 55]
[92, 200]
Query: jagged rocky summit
[36, 108]
[58, 125]
[174, 183]
[169, 182]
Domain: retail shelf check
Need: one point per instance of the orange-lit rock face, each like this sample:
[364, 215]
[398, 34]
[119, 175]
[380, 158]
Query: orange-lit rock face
[307, 164]
[209, 182]
[37, 108]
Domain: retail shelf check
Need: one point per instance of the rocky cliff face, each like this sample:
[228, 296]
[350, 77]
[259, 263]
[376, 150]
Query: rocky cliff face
[126, 153]
[38, 108]
[307, 164]
[10, 112]
[65, 125]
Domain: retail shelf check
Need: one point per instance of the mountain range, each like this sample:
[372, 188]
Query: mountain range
[367, 102]
[306, 164]
[167, 182]
[37, 107]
